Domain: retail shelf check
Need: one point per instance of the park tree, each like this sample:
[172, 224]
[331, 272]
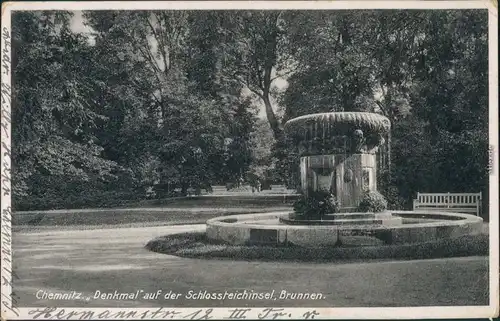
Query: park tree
[255, 47]
[207, 70]
[129, 136]
[176, 93]
[435, 101]
[148, 48]
[55, 118]
[263, 161]
[450, 95]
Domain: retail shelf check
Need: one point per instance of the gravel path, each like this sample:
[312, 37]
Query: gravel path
[112, 259]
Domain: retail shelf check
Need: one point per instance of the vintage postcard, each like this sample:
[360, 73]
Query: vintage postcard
[256, 160]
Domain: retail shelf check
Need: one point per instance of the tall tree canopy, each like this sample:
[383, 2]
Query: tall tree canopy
[425, 70]
[55, 115]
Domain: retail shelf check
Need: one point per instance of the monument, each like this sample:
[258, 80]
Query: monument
[338, 153]
[338, 156]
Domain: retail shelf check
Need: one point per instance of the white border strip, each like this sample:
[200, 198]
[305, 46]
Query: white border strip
[254, 313]
[493, 133]
[8, 301]
[246, 5]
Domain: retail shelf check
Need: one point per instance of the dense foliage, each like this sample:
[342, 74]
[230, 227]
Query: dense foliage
[373, 202]
[170, 98]
[315, 205]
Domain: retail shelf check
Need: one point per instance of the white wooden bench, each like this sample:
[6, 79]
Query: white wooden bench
[449, 202]
[219, 189]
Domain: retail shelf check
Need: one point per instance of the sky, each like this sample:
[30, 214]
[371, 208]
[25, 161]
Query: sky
[77, 23]
[78, 26]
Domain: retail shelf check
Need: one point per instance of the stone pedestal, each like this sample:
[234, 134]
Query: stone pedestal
[348, 177]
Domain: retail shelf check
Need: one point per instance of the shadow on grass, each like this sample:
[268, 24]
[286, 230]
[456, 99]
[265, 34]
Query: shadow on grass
[196, 245]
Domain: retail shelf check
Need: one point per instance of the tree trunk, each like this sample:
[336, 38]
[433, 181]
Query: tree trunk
[184, 189]
[389, 158]
[273, 121]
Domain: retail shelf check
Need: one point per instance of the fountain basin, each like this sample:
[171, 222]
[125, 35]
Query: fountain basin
[414, 227]
[385, 219]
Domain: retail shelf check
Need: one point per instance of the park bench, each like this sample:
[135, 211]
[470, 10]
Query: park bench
[219, 189]
[449, 202]
[278, 188]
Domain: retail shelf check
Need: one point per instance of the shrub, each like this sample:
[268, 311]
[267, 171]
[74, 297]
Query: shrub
[389, 188]
[394, 201]
[315, 205]
[373, 202]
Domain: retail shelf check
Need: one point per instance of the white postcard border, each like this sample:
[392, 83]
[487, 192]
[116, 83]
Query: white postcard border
[9, 310]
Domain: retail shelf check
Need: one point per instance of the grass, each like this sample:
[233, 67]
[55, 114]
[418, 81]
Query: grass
[127, 199]
[119, 217]
[196, 245]
[195, 210]
[225, 199]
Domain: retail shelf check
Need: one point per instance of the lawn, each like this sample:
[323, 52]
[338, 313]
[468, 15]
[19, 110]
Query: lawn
[193, 210]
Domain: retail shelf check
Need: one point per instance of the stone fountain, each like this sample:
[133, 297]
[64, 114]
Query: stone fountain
[338, 152]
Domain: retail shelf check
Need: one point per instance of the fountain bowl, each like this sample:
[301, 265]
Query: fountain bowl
[336, 124]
